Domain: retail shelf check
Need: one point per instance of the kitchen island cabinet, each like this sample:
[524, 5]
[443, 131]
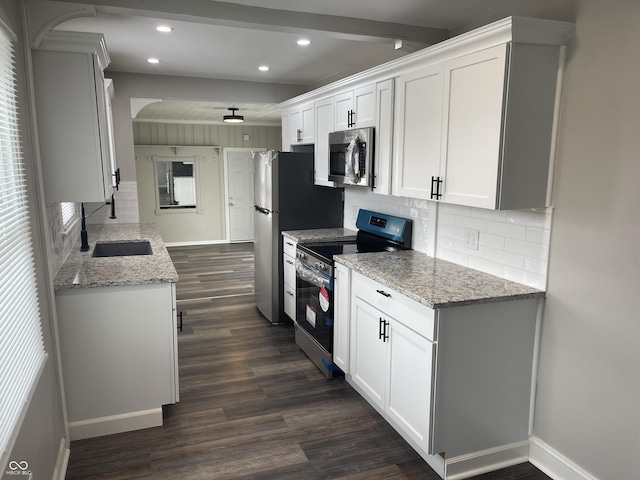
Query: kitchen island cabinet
[445, 354]
[117, 325]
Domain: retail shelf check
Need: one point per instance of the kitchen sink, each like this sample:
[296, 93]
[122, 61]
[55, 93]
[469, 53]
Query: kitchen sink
[122, 249]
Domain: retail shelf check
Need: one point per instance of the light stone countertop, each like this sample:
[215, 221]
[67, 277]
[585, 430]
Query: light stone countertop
[81, 270]
[320, 235]
[433, 282]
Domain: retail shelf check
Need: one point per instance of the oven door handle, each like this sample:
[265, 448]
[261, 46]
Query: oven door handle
[312, 275]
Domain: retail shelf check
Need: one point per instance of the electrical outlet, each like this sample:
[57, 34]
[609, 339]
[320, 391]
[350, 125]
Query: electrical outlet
[471, 238]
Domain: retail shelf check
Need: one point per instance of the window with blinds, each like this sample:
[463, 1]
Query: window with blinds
[22, 354]
[68, 212]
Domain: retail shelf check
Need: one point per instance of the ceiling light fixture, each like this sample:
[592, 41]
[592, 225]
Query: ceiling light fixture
[164, 28]
[153, 60]
[233, 118]
[303, 42]
[263, 68]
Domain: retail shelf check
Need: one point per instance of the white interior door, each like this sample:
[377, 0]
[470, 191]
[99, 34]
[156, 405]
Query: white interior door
[239, 168]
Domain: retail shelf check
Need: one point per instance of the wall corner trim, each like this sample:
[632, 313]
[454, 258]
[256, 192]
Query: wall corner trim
[554, 463]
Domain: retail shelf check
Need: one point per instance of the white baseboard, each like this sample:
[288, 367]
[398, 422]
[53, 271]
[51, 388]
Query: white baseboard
[553, 463]
[97, 427]
[484, 461]
[62, 460]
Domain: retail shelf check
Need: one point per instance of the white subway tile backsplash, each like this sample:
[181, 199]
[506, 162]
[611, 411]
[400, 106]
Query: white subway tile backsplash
[491, 241]
[527, 249]
[535, 265]
[538, 235]
[507, 230]
[451, 256]
[491, 215]
[512, 244]
[470, 222]
[486, 266]
[505, 258]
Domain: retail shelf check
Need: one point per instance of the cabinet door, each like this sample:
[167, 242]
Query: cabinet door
[295, 127]
[367, 352]
[418, 131]
[341, 304]
[307, 118]
[364, 106]
[384, 137]
[410, 377]
[324, 126]
[69, 91]
[286, 131]
[472, 133]
[343, 105]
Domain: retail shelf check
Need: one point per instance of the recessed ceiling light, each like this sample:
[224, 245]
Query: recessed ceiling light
[153, 60]
[303, 42]
[263, 68]
[164, 28]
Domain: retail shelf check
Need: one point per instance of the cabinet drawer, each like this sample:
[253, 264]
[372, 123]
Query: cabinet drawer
[289, 246]
[414, 315]
[290, 301]
[289, 268]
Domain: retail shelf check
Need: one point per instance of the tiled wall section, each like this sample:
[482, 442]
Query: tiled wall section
[60, 242]
[512, 244]
[417, 210]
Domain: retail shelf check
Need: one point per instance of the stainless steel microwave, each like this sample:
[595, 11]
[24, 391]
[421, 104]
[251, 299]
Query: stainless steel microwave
[351, 157]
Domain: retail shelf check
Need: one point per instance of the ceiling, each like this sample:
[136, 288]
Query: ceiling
[230, 40]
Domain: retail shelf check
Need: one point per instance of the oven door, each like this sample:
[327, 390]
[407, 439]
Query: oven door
[314, 303]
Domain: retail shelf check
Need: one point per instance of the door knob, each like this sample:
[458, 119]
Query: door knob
[231, 204]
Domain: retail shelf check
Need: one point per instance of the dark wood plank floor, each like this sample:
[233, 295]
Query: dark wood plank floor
[252, 405]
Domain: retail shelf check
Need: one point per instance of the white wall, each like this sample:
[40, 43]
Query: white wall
[589, 380]
[130, 85]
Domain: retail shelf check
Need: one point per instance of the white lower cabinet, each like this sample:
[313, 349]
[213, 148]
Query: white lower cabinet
[391, 363]
[119, 355]
[289, 269]
[455, 382]
[409, 378]
[341, 306]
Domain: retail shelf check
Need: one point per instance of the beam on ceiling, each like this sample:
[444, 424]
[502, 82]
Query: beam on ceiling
[231, 14]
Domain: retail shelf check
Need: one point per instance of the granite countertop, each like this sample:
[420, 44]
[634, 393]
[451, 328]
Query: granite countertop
[320, 235]
[433, 282]
[81, 270]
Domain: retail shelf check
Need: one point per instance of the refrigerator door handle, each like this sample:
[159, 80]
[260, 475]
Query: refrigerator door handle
[264, 211]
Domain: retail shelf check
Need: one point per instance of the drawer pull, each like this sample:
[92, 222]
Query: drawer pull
[289, 262]
[289, 292]
[289, 243]
[382, 292]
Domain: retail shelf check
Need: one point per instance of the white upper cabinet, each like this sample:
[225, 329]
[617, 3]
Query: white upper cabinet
[497, 126]
[302, 125]
[383, 152]
[324, 126]
[286, 131]
[355, 108]
[472, 119]
[72, 117]
[418, 131]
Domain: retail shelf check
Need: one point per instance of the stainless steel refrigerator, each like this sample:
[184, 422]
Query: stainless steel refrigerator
[285, 199]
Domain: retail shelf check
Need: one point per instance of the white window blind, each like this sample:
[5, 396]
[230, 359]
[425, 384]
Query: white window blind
[68, 211]
[22, 354]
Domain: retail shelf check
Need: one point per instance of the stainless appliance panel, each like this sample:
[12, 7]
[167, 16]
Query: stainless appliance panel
[285, 199]
[351, 157]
